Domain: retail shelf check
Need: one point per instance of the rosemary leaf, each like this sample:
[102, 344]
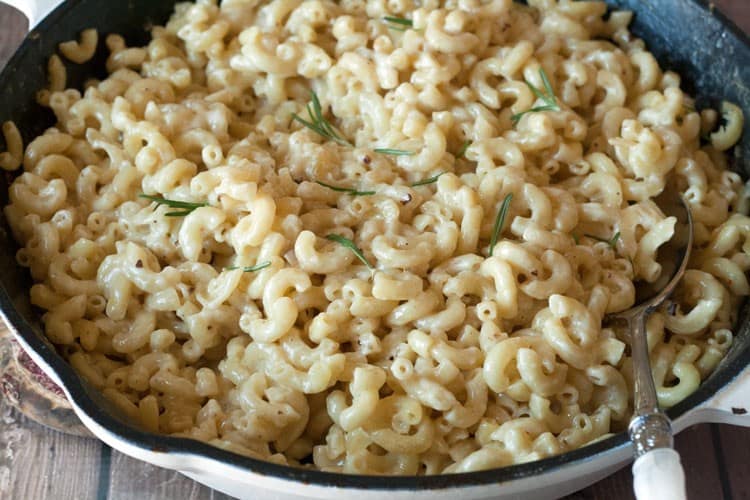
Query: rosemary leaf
[398, 23]
[318, 123]
[500, 221]
[538, 93]
[346, 242]
[250, 269]
[461, 152]
[394, 152]
[547, 85]
[611, 242]
[429, 180]
[615, 239]
[546, 107]
[548, 97]
[185, 207]
[398, 20]
[350, 191]
[324, 123]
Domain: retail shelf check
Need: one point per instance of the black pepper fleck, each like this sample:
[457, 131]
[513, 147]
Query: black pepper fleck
[672, 308]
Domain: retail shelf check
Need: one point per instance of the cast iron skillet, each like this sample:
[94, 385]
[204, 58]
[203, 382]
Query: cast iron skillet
[711, 54]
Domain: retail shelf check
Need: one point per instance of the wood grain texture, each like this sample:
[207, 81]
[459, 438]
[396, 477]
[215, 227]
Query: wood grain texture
[733, 452]
[700, 462]
[37, 463]
[130, 478]
[696, 448]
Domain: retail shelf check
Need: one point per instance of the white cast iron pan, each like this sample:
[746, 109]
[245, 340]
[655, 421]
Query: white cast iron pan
[710, 53]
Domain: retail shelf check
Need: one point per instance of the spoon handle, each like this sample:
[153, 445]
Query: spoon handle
[658, 475]
[657, 471]
[644, 393]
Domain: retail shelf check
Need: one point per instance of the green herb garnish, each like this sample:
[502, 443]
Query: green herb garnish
[319, 124]
[612, 242]
[550, 101]
[429, 180]
[500, 221]
[250, 269]
[185, 207]
[350, 191]
[393, 152]
[346, 242]
[398, 23]
[461, 152]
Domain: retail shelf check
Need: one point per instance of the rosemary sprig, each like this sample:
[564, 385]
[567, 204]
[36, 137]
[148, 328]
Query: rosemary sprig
[250, 269]
[350, 191]
[346, 242]
[429, 180]
[185, 207]
[319, 124]
[548, 97]
[394, 152]
[398, 23]
[611, 242]
[500, 221]
[461, 152]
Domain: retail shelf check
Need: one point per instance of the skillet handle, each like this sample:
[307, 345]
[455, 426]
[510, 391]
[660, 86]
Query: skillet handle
[34, 10]
[730, 405]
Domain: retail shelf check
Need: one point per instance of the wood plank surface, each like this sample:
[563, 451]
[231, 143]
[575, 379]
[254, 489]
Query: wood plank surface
[38, 463]
[128, 474]
[733, 452]
[701, 464]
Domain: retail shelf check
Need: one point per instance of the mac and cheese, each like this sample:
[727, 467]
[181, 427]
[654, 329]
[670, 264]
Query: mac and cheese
[373, 236]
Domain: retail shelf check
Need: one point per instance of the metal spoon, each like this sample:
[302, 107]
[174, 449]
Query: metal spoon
[657, 472]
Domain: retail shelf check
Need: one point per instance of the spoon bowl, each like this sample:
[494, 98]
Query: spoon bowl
[673, 257]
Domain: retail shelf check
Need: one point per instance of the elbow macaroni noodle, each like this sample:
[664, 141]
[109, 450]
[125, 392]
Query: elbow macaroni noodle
[444, 357]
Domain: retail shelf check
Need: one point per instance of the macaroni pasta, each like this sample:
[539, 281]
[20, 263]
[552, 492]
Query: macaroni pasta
[377, 237]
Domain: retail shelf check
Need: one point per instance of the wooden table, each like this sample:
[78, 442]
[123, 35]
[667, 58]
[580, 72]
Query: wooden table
[39, 463]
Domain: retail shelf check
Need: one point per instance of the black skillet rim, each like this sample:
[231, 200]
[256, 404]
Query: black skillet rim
[181, 446]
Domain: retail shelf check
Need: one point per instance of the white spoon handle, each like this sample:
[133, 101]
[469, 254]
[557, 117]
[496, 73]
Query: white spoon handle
[658, 475]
